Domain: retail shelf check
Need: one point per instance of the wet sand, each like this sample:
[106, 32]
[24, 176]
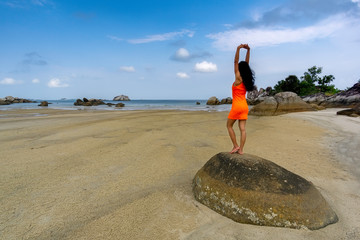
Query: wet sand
[127, 175]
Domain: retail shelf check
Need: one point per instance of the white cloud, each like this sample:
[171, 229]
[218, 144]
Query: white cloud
[182, 75]
[127, 69]
[205, 67]
[356, 1]
[35, 80]
[114, 38]
[259, 37]
[57, 83]
[9, 81]
[163, 37]
[182, 53]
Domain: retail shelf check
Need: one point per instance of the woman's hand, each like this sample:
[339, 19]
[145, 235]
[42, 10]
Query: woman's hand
[246, 46]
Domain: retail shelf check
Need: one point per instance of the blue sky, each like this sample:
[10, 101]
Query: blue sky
[51, 49]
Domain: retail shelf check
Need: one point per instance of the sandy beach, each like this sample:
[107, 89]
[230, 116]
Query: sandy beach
[127, 174]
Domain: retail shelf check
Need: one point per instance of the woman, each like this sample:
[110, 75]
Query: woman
[244, 81]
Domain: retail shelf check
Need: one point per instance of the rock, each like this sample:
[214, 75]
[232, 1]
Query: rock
[290, 102]
[281, 103]
[255, 97]
[121, 98]
[4, 102]
[317, 107]
[43, 104]
[227, 100]
[348, 98]
[110, 104]
[197, 103]
[78, 102]
[352, 112]
[88, 102]
[250, 189]
[266, 108]
[317, 98]
[9, 99]
[120, 105]
[213, 101]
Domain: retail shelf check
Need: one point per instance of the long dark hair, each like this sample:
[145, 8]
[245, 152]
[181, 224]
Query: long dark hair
[247, 75]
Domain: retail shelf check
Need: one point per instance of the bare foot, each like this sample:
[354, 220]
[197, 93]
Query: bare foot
[241, 152]
[235, 149]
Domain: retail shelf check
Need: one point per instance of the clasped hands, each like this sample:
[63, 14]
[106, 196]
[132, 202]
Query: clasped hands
[246, 46]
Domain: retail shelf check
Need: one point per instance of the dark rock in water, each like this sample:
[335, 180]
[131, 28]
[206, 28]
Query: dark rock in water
[120, 105]
[213, 101]
[4, 102]
[43, 104]
[88, 102]
[10, 100]
[197, 103]
[110, 104]
[281, 103]
[78, 102]
[227, 100]
[121, 98]
[352, 112]
[250, 189]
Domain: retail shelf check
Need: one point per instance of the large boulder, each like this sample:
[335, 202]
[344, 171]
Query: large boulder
[281, 103]
[348, 98]
[213, 101]
[250, 189]
[227, 100]
[317, 98]
[121, 98]
[265, 108]
[352, 112]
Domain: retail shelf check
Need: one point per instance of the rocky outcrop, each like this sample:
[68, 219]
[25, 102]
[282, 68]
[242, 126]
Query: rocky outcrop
[250, 189]
[227, 100]
[255, 97]
[121, 98]
[348, 98]
[89, 102]
[10, 100]
[213, 101]
[352, 112]
[317, 98]
[43, 104]
[281, 103]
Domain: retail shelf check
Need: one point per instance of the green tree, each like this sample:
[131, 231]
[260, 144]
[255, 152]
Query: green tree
[291, 84]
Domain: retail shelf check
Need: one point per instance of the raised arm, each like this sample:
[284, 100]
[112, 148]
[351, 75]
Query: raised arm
[247, 58]
[236, 63]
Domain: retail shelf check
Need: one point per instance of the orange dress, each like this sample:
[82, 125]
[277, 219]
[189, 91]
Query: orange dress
[239, 108]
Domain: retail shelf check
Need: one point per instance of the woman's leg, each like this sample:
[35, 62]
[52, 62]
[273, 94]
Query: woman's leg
[242, 124]
[229, 125]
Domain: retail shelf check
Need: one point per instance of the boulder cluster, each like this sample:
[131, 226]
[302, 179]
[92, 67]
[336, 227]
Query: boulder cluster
[216, 101]
[95, 102]
[10, 100]
[281, 103]
[348, 98]
[253, 190]
[257, 96]
[89, 102]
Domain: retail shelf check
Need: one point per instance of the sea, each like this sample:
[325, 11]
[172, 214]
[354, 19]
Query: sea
[68, 104]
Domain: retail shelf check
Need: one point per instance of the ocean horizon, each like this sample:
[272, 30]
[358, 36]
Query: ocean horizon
[136, 104]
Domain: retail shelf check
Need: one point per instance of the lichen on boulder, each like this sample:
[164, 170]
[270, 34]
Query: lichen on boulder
[250, 189]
